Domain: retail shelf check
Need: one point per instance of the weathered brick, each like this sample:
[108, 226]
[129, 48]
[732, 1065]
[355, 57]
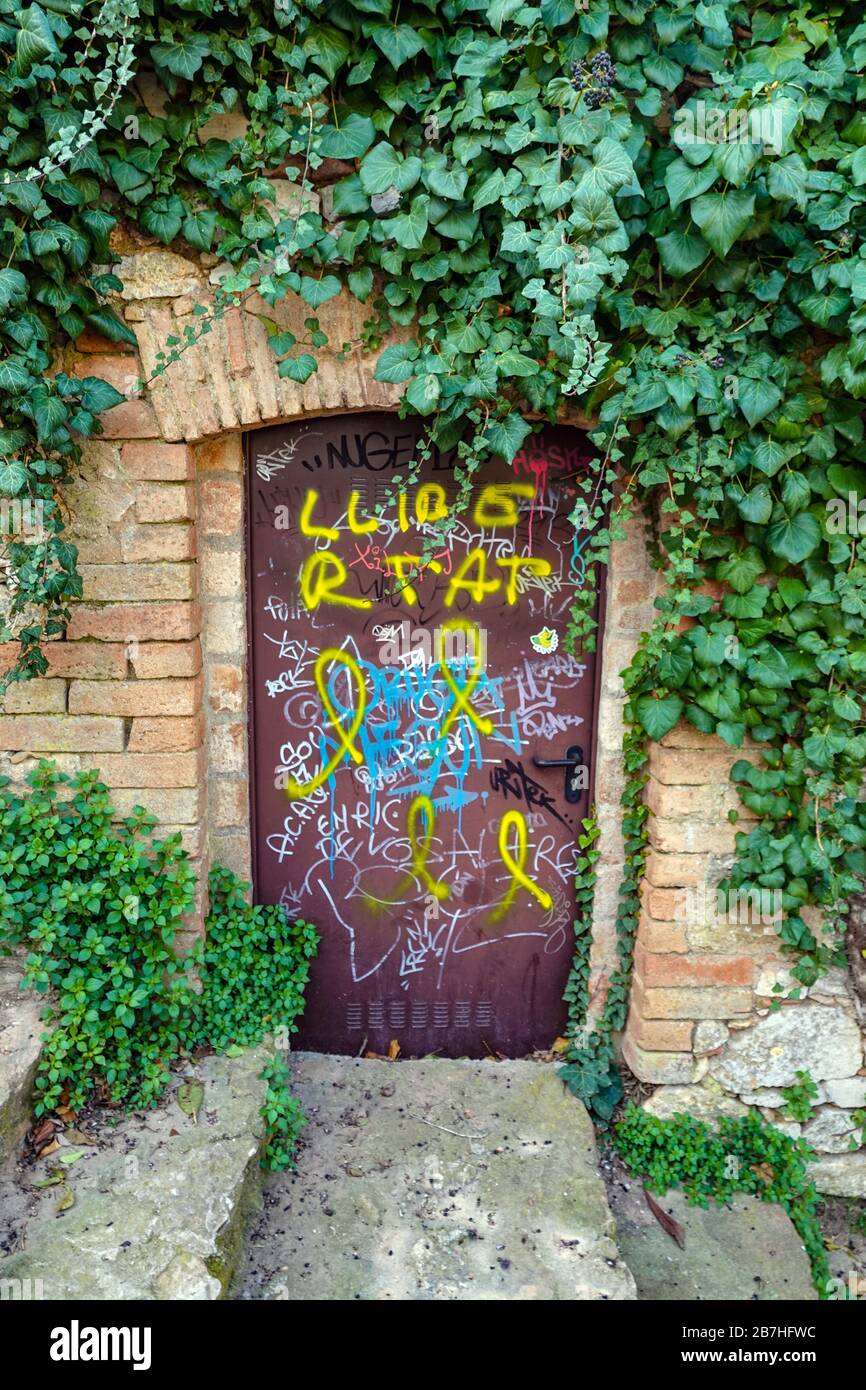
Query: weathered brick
[675, 870]
[223, 455]
[225, 627]
[60, 733]
[221, 503]
[36, 696]
[222, 572]
[232, 848]
[665, 904]
[178, 807]
[166, 502]
[143, 622]
[662, 936]
[152, 461]
[135, 697]
[156, 660]
[149, 769]
[661, 1034]
[156, 581]
[165, 734]
[226, 690]
[692, 836]
[691, 970]
[227, 747]
[89, 660]
[696, 766]
[171, 541]
[661, 1068]
[708, 1002]
[229, 803]
[134, 419]
[708, 803]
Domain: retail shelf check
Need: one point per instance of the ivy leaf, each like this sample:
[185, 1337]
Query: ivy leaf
[757, 398]
[98, 395]
[423, 392]
[448, 181]
[767, 667]
[361, 283]
[658, 717]
[396, 363]
[756, 505]
[683, 181]
[328, 47]
[506, 436]
[299, 368]
[199, 228]
[680, 252]
[723, 217]
[350, 140]
[164, 218]
[795, 538]
[398, 42]
[183, 56]
[410, 228]
[35, 39]
[13, 477]
[316, 292]
[13, 286]
[383, 168]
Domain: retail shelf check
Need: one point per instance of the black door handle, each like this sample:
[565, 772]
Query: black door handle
[573, 764]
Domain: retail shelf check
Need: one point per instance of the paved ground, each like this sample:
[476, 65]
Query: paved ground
[746, 1250]
[436, 1180]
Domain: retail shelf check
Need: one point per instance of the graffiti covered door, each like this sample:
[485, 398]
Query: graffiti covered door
[400, 695]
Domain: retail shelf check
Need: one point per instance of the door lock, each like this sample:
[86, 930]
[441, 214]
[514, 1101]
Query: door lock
[573, 764]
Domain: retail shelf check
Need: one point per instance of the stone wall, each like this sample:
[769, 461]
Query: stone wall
[709, 1015]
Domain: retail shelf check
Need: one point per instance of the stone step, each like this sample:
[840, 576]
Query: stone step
[159, 1205]
[436, 1179]
[21, 1030]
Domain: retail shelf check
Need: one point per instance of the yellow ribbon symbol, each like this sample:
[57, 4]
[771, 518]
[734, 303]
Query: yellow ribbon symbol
[462, 693]
[420, 852]
[515, 866]
[346, 737]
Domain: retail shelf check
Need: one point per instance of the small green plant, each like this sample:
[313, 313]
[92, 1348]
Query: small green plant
[711, 1164]
[97, 904]
[859, 1118]
[254, 966]
[577, 989]
[799, 1098]
[283, 1118]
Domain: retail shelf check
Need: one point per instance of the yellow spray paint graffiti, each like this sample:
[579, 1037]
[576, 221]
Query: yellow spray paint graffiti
[333, 656]
[462, 693]
[515, 866]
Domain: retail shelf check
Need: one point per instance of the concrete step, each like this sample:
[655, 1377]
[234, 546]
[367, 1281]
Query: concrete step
[436, 1179]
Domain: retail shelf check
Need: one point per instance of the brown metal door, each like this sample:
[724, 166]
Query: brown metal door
[399, 697]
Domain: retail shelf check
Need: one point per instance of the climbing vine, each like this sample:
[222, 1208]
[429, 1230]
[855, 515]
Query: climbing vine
[650, 212]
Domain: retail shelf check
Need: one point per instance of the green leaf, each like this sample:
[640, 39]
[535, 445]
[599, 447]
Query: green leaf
[351, 140]
[422, 393]
[506, 436]
[299, 368]
[398, 42]
[383, 168]
[328, 47]
[723, 217]
[795, 538]
[410, 228]
[316, 292]
[396, 363]
[190, 1098]
[183, 56]
[361, 282]
[35, 39]
[681, 252]
[13, 287]
[757, 398]
[757, 505]
[683, 181]
[199, 228]
[13, 477]
[658, 716]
